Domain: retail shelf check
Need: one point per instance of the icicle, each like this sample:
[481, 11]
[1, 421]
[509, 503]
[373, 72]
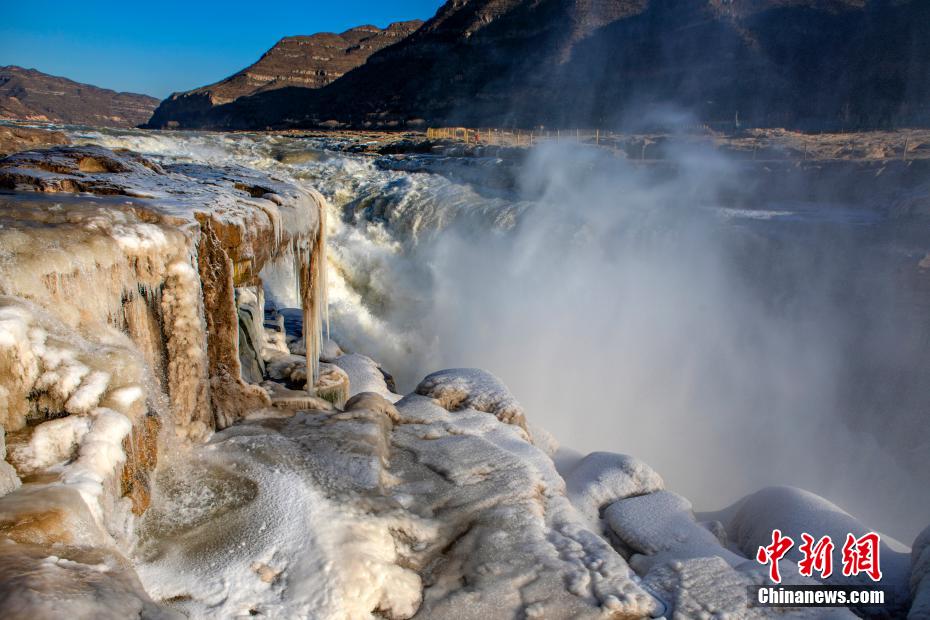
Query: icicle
[324, 271]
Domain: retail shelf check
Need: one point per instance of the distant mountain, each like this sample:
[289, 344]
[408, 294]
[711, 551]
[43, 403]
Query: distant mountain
[27, 94]
[813, 64]
[304, 61]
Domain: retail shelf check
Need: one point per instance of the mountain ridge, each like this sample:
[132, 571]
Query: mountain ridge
[306, 61]
[31, 95]
[808, 64]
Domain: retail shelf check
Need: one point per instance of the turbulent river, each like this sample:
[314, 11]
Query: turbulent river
[732, 343]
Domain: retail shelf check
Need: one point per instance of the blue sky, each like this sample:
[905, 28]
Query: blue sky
[160, 47]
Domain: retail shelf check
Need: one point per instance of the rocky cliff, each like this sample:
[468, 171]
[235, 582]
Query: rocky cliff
[27, 94]
[804, 64]
[302, 62]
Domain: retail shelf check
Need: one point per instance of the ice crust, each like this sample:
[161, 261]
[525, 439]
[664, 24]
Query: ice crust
[387, 509]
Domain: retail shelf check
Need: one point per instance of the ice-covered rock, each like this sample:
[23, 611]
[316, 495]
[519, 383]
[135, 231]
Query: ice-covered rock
[330, 350]
[602, 478]
[506, 527]
[381, 510]
[365, 375]
[684, 563]
[460, 388]
[661, 526]
[159, 250]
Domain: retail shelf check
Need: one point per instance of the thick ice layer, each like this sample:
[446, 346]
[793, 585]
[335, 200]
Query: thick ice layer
[378, 511]
[118, 320]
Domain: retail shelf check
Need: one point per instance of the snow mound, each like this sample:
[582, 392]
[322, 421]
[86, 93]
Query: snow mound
[365, 375]
[602, 478]
[685, 564]
[661, 525]
[460, 388]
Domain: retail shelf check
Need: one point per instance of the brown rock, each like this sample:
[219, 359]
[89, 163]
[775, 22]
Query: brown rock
[14, 139]
[141, 448]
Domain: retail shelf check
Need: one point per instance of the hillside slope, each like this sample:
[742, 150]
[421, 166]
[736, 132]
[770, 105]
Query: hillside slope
[303, 61]
[27, 94]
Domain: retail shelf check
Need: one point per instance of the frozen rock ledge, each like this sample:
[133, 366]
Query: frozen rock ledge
[119, 345]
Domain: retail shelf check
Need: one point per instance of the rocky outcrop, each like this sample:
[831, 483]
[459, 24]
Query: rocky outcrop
[611, 62]
[27, 94]
[294, 62]
[13, 139]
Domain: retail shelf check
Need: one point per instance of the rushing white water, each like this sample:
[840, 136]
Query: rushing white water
[730, 346]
